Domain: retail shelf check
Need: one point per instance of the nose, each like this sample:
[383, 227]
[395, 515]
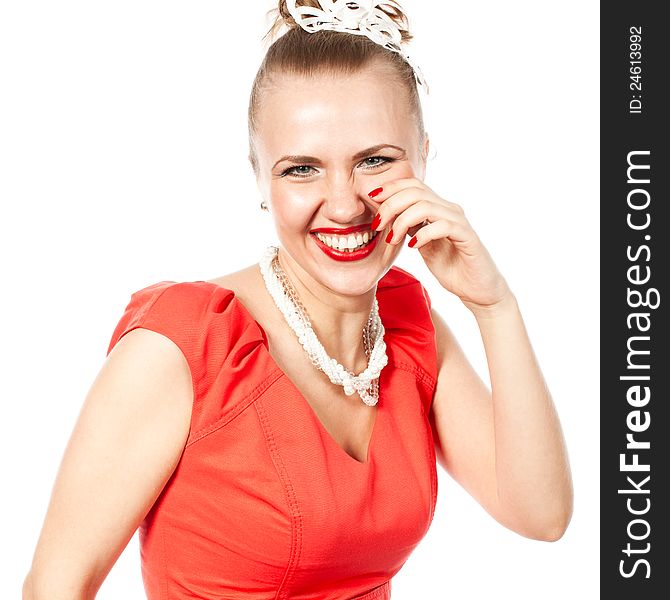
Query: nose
[344, 201]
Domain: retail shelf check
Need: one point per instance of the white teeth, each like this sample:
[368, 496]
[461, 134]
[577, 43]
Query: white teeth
[347, 243]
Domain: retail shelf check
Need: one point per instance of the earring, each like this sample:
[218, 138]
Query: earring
[264, 205]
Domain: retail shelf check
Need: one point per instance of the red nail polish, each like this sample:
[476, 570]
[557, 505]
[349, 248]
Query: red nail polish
[376, 221]
[412, 242]
[375, 192]
[389, 237]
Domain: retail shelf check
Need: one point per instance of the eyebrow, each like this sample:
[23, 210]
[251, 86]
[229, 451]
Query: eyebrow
[301, 158]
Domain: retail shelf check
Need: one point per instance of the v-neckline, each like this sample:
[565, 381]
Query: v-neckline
[283, 373]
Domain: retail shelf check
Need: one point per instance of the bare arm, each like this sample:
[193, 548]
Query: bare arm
[506, 447]
[126, 443]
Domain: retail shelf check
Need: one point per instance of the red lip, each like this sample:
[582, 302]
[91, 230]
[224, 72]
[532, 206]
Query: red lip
[355, 228]
[347, 256]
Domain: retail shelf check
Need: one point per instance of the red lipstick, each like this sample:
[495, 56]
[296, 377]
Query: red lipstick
[346, 230]
[346, 256]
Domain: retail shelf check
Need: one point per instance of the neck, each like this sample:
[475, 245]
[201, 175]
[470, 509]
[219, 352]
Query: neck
[337, 319]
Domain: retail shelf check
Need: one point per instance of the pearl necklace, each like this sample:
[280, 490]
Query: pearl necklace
[366, 384]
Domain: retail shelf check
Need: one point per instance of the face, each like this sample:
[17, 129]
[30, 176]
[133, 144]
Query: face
[322, 145]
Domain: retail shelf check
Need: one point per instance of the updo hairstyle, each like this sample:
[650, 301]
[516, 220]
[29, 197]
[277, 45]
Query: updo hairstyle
[300, 53]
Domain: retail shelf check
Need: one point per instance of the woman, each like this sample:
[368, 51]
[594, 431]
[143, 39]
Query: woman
[274, 432]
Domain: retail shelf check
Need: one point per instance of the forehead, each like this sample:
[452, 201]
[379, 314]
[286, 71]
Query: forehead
[340, 111]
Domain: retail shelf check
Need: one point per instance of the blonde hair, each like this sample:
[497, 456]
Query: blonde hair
[298, 52]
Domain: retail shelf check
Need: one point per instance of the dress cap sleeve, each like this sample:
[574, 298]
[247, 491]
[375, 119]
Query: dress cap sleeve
[212, 329]
[404, 307]
[180, 312]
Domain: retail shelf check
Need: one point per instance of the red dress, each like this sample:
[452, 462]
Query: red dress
[264, 504]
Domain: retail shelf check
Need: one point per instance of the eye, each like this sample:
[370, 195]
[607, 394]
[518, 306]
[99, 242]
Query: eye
[295, 173]
[302, 171]
[383, 159]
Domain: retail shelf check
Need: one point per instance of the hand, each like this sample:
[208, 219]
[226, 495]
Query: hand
[447, 243]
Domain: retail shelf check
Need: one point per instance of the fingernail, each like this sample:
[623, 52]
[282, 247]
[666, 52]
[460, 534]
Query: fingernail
[375, 192]
[412, 242]
[389, 237]
[376, 221]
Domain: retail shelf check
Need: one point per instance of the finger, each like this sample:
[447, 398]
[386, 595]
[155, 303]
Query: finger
[401, 201]
[382, 192]
[396, 204]
[442, 229]
[411, 217]
[425, 211]
[412, 230]
[389, 189]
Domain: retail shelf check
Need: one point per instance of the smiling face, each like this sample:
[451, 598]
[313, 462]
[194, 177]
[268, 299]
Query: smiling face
[322, 144]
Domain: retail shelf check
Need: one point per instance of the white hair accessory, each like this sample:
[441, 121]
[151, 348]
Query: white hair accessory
[363, 17]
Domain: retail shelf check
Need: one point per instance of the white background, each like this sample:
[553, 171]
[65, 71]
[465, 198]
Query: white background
[123, 161]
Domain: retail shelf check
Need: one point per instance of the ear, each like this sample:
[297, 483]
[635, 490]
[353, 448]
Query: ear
[263, 186]
[424, 155]
[254, 166]
[426, 147]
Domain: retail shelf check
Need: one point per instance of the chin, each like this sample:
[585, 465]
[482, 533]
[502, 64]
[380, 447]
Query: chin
[348, 281]
[346, 278]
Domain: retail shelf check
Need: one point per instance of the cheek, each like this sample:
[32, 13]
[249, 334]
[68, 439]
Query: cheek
[409, 169]
[293, 209]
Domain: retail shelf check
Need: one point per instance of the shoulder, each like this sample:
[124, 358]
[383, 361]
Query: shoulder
[216, 335]
[177, 306]
[190, 297]
[195, 315]
[405, 310]
[404, 297]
